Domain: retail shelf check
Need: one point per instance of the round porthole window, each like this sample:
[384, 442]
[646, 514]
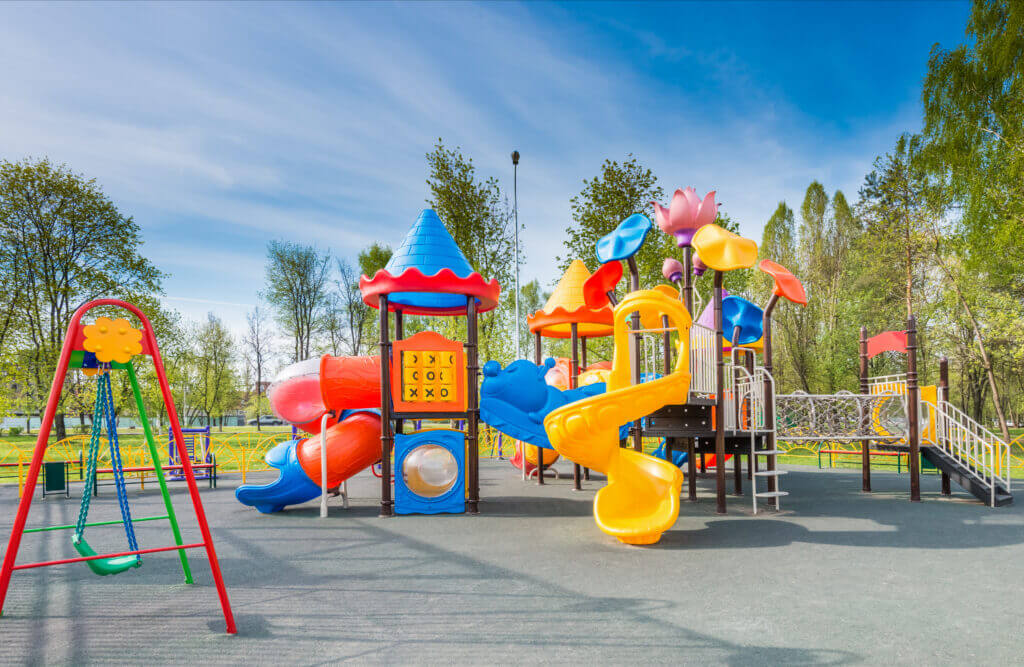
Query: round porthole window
[430, 471]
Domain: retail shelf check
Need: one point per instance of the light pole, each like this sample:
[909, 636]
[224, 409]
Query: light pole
[515, 214]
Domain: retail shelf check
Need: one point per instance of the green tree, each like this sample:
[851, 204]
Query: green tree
[216, 381]
[370, 260]
[479, 218]
[617, 192]
[974, 124]
[257, 345]
[297, 288]
[70, 244]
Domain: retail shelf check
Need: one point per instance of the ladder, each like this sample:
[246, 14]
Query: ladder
[749, 414]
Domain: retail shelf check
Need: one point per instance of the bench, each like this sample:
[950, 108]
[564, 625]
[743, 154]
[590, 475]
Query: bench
[858, 453]
[138, 474]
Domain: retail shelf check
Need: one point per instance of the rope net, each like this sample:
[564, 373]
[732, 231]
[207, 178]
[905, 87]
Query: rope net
[841, 417]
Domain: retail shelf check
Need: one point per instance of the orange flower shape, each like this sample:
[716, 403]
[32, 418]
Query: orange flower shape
[112, 340]
[786, 284]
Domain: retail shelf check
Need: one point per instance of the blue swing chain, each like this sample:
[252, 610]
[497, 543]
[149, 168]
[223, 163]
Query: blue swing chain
[90, 475]
[115, 464]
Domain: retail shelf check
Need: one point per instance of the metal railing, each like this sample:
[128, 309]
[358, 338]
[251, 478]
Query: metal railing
[980, 451]
[745, 399]
[703, 351]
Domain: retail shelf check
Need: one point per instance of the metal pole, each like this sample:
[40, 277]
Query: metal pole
[719, 398]
[913, 409]
[472, 407]
[323, 465]
[515, 214]
[865, 445]
[386, 437]
[574, 377]
[769, 388]
[634, 351]
[940, 413]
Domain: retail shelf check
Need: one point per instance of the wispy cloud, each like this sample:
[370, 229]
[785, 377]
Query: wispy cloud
[220, 127]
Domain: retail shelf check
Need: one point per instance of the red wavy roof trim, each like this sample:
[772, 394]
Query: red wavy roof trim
[443, 282]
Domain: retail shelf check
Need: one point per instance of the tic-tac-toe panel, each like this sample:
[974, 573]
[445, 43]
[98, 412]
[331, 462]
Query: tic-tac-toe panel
[428, 374]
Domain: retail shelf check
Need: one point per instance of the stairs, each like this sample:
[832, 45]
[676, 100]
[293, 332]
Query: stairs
[983, 489]
[970, 454]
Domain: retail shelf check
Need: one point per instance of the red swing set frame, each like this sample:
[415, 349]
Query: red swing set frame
[73, 341]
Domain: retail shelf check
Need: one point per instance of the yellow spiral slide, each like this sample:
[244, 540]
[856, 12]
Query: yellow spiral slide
[641, 499]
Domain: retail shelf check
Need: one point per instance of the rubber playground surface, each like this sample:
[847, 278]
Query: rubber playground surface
[838, 577]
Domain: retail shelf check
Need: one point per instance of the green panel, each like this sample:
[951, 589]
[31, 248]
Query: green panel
[54, 476]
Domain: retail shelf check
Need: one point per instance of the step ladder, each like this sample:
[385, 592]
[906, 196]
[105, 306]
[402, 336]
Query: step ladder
[774, 474]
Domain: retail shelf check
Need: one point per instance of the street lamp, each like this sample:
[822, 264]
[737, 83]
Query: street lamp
[515, 213]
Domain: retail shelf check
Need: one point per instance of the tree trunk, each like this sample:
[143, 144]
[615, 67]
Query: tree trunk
[985, 361]
[59, 429]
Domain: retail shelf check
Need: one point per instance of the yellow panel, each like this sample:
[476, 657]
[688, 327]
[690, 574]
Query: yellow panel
[446, 376]
[429, 394]
[411, 358]
[412, 375]
[430, 375]
[447, 359]
[412, 392]
[446, 392]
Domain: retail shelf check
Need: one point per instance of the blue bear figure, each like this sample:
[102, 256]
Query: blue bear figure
[517, 399]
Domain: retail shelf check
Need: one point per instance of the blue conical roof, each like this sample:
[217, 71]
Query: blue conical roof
[429, 247]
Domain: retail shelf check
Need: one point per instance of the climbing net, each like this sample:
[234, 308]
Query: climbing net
[842, 416]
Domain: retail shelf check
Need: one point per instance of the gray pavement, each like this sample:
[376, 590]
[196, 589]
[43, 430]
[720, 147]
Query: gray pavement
[838, 577]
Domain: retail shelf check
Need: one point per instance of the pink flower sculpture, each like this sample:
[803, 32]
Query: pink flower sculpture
[672, 269]
[686, 214]
[699, 267]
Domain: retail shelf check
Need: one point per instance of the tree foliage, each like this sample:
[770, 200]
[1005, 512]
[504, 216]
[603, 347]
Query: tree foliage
[297, 279]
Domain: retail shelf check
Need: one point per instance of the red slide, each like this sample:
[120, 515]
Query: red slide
[352, 445]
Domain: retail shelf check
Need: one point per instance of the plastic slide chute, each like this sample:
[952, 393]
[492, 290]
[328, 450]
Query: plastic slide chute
[641, 499]
[353, 445]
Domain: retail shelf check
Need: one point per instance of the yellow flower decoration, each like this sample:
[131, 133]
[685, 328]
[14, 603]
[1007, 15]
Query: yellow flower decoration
[112, 340]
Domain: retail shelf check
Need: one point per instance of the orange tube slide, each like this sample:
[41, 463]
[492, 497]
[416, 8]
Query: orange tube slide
[350, 383]
[352, 445]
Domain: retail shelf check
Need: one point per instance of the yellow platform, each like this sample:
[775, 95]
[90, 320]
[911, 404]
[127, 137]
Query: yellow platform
[641, 499]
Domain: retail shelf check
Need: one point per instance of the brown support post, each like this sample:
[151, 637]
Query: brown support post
[387, 438]
[634, 351]
[865, 445]
[472, 408]
[688, 278]
[940, 425]
[537, 350]
[691, 468]
[574, 376]
[399, 335]
[769, 389]
[583, 363]
[719, 399]
[913, 423]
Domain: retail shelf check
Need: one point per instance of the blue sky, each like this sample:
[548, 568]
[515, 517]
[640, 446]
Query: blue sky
[222, 126]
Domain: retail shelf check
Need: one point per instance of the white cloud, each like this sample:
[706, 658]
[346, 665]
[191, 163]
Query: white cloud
[220, 127]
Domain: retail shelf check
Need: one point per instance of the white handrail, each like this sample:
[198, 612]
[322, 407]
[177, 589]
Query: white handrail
[980, 451]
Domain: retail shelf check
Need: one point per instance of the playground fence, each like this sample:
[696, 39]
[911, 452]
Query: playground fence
[243, 453]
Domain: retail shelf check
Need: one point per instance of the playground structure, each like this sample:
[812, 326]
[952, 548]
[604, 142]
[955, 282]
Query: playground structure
[97, 349]
[709, 402]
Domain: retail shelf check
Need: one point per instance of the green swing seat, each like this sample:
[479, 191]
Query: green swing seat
[104, 566]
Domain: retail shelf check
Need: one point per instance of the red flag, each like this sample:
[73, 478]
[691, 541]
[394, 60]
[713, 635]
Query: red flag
[887, 341]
